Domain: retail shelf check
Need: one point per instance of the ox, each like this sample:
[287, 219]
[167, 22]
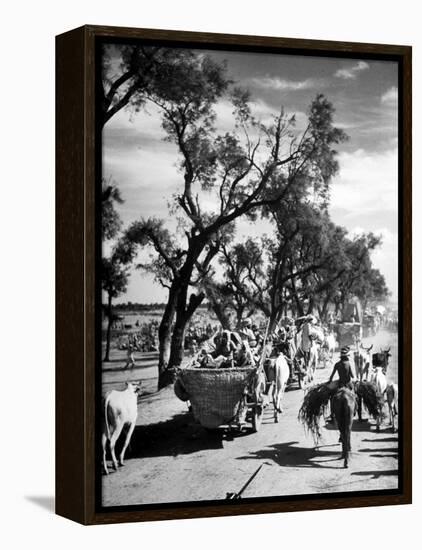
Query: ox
[308, 340]
[382, 359]
[120, 409]
[331, 343]
[392, 393]
[362, 360]
[380, 381]
[277, 372]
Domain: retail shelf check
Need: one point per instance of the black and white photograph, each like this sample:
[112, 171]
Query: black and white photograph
[249, 275]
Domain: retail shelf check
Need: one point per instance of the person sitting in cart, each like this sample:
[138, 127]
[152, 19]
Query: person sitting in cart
[222, 356]
[247, 333]
[244, 357]
[225, 346]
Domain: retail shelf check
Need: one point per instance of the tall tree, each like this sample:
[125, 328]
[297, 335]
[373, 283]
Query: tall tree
[114, 273]
[114, 280]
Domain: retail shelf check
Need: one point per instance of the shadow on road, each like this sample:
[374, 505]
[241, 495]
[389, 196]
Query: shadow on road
[358, 426]
[379, 449]
[288, 455]
[376, 473]
[382, 440]
[179, 435]
[385, 456]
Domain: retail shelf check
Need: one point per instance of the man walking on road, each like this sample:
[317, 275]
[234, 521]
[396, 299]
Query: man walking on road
[130, 361]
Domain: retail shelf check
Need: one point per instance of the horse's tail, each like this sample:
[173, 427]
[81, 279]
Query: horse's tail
[344, 419]
[348, 413]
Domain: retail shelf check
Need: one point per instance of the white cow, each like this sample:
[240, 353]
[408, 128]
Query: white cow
[281, 372]
[331, 343]
[380, 381]
[314, 354]
[120, 408]
[392, 393]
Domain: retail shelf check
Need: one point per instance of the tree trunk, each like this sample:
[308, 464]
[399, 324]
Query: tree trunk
[273, 320]
[223, 318]
[239, 314]
[220, 312]
[178, 343]
[319, 309]
[110, 322]
[183, 316]
[325, 309]
[178, 298]
[310, 305]
[164, 337]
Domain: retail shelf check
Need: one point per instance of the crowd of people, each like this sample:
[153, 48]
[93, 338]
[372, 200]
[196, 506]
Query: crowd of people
[144, 339]
[212, 347]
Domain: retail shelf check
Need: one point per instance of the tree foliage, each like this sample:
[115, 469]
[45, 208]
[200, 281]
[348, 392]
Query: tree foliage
[110, 219]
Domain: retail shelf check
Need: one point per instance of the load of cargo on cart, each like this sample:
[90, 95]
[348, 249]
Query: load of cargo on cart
[226, 389]
[348, 334]
[349, 329]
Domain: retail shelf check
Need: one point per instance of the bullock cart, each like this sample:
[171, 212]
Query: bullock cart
[349, 334]
[224, 397]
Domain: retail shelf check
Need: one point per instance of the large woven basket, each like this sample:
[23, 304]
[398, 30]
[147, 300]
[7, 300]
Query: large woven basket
[216, 394]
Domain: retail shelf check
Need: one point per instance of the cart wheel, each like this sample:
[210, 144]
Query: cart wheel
[257, 414]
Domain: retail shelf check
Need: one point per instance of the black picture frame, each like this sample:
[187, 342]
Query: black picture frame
[78, 295]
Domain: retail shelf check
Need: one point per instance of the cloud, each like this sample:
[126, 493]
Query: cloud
[364, 197]
[352, 72]
[367, 183]
[390, 97]
[385, 258]
[275, 83]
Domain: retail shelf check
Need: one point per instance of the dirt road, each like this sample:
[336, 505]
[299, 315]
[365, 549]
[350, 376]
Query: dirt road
[173, 459]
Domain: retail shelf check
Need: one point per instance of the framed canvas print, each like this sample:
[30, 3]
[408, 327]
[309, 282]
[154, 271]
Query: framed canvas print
[233, 275]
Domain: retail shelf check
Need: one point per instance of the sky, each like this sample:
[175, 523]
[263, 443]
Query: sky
[363, 194]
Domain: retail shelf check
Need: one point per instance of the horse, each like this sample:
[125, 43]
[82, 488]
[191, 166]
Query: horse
[343, 405]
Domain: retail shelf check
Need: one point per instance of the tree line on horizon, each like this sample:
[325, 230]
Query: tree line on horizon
[257, 171]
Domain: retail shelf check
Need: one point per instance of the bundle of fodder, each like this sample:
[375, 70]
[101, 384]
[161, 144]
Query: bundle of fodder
[314, 405]
[371, 398]
[216, 395]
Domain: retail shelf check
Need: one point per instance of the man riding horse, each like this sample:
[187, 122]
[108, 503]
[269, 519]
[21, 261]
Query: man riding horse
[346, 375]
[343, 368]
